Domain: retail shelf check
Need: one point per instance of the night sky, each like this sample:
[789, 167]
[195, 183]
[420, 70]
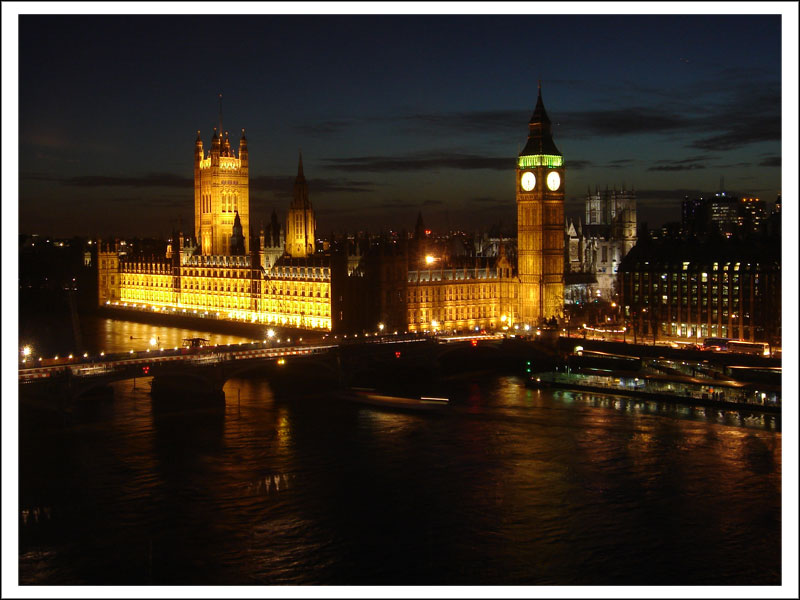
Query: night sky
[394, 114]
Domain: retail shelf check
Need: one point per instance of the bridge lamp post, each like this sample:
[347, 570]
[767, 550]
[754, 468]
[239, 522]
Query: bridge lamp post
[26, 351]
[155, 341]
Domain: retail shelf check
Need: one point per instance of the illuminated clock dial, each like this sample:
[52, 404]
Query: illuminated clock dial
[528, 181]
[553, 181]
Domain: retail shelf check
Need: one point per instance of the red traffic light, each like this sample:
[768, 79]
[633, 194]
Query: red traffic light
[474, 342]
[397, 354]
[146, 369]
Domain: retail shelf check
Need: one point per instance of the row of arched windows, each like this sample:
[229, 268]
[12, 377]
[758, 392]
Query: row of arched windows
[230, 203]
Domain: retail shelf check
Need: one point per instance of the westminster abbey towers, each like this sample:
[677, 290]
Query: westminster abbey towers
[540, 222]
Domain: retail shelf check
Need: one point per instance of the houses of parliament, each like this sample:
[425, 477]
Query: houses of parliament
[230, 269]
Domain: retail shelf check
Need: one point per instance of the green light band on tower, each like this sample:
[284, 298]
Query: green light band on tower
[540, 160]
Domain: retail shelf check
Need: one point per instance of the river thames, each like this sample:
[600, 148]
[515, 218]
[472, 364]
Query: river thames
[507, 486]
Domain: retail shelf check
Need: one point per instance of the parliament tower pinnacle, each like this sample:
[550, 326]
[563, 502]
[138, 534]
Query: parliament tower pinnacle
[221, 191]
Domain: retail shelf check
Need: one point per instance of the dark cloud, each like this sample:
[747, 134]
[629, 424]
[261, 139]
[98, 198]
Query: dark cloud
[690, 163]
[481, 121]
[150, 180]
[340, 211]
[770, 161]
[324, 128]
[677, 168]
[739, 136]
[420, 162]
[484, 200]
[739, 165]
[577, 164]
[654, 197]
[281, 185]
[91, 181]
[750, 117]
[398, 204]
[733, 116]
[620, 121]
[432, 202]
[722, 115]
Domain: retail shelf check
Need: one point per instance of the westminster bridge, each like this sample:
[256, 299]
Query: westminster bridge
[206, 369]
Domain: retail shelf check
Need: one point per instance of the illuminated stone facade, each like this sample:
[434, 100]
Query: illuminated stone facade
[227, 270]
[596, 247]
[297, 293]
[108, 280]
[221, 191]
[300, 223]
[540, 222]
[481, 296]
[224, 273]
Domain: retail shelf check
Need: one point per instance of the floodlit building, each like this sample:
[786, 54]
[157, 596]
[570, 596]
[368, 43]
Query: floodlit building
[596, 247]
[279, 276]
[266, 277]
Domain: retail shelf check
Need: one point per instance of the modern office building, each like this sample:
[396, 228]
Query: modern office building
[696, 289]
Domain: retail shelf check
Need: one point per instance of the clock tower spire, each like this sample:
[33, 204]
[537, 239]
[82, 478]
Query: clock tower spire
[540, 221]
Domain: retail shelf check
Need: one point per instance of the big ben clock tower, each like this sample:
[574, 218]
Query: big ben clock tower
[540, 222]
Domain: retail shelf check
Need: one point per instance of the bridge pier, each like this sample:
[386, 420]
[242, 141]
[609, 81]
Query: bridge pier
[204, 383]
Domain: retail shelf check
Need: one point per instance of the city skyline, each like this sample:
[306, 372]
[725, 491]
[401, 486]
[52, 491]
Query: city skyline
[405, 114]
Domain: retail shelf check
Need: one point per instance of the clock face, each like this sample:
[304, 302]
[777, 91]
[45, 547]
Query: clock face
[528, 181]
[553, 181]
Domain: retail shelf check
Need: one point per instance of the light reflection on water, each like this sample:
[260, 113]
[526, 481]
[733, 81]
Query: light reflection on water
[111, 335]
[508, 486]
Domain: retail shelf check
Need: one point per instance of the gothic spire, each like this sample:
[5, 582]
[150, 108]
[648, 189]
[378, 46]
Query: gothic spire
[300, 176]
[300, 188]
[540, 135]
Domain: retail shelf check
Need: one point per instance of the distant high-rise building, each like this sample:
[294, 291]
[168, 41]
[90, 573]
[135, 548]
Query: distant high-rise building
[694, 217]
[723, 211]
[752, 212]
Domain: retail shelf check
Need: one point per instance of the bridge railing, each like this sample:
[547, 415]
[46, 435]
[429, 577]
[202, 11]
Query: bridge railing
[211, 356]
[96, 366]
